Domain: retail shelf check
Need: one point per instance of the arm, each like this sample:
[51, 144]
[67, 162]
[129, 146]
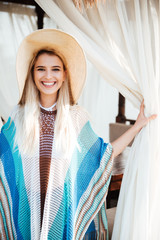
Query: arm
[120, 143]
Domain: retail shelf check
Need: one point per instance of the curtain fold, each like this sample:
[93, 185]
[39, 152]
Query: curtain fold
[17, 21]
[121, 38]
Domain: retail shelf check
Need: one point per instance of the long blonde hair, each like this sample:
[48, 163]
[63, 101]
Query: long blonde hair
[28, 112]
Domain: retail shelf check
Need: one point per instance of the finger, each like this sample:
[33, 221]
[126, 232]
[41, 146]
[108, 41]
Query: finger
[152, 117]
[142, 106]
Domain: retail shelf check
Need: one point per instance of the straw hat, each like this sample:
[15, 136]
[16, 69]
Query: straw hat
[64, 44]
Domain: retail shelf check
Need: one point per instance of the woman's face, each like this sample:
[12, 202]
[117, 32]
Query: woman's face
[49, 75]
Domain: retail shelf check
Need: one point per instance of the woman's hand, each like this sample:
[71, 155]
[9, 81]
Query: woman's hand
[142, 120]
[120, 143]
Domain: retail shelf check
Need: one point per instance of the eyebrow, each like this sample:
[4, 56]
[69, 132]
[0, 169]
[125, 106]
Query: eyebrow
[52, 66]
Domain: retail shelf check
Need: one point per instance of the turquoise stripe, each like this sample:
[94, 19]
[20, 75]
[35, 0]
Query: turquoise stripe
[4, 220]
[104, 216]
[78, 157]
[23, 208]
[56, 231]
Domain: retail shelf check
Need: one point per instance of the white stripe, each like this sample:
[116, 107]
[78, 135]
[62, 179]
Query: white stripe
[9, 199]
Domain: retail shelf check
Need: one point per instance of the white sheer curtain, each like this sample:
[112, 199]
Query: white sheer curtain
[17, 21]
[121, 38]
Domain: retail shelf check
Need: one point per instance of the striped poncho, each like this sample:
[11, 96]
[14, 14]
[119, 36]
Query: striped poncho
[77, 188]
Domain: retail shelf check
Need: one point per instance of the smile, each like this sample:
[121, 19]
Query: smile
[48, 83]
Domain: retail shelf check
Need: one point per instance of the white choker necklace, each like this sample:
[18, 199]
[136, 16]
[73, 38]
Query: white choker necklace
[50, 108]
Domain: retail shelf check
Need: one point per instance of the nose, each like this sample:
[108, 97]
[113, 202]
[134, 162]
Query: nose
[48, 74]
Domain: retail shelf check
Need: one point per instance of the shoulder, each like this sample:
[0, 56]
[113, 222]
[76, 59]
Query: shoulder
[79, 116]
[9, 125]
[15, 112]
[79, 113]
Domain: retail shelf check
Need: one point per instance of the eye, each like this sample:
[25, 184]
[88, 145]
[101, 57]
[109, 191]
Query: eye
[40, 69]
[56, 69]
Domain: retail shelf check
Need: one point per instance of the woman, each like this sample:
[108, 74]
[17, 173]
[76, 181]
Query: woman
[54, 170]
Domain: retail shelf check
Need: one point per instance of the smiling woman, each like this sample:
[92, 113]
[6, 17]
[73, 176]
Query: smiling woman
[54, 170]
[50, 147]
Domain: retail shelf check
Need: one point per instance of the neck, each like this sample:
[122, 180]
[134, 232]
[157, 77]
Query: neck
[47, 101]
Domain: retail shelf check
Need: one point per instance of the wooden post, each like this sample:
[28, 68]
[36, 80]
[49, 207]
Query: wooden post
[40, 15]
[121, 110]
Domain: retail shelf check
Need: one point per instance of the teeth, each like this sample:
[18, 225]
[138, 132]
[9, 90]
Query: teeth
[48, 84]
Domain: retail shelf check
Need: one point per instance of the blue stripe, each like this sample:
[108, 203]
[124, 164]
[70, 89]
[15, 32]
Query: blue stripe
[9, 169]
[88, 167]
[14, 174]
[91, 228]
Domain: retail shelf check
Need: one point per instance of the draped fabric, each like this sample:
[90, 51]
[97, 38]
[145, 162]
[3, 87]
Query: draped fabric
[122, 39]
[16, 22]
[76, 192]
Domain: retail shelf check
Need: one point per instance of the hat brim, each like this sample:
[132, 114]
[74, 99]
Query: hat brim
[60, 41]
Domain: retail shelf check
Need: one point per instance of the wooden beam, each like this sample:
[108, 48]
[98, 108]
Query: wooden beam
[121, 110]
[121, 118]
[40, 15]
[25, 2]
[38, 9]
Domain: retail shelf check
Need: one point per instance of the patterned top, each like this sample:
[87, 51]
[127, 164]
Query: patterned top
[47, 120]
